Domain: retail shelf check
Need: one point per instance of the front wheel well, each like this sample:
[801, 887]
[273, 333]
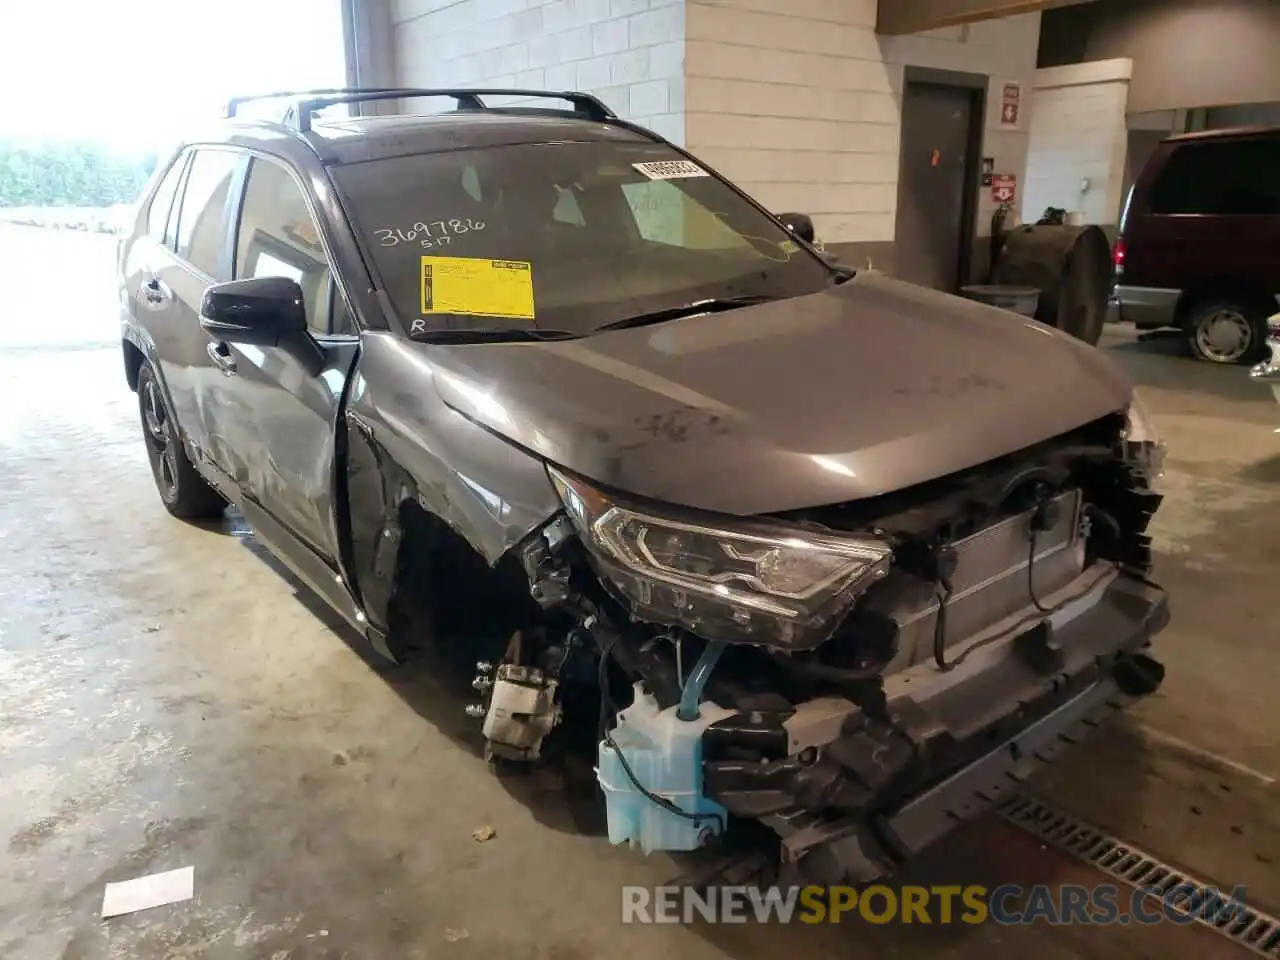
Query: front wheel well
[443, 589]
[133, 361]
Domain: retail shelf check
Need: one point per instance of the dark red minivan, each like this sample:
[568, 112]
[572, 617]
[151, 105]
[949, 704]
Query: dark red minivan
[1199, 244]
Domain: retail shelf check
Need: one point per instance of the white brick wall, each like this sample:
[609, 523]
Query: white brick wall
[797, 100]
[630, 53]
[1079, 133]
[801, 102]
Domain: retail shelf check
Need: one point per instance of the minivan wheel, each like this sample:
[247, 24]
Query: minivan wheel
[184, 492]
[1226, 331]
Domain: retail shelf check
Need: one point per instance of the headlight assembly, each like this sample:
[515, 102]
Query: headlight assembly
[1142, 444]
[724, 578]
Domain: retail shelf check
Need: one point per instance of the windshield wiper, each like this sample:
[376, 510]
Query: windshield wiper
[491, 335]
[712, 305]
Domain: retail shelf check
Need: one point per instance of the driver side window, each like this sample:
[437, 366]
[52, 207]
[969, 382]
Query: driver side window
[279, 238]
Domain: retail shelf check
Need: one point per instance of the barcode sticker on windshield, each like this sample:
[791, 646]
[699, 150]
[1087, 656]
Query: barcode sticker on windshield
[670, 169]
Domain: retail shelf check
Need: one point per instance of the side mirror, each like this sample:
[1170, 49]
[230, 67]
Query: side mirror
[265, 311]
[800, 224]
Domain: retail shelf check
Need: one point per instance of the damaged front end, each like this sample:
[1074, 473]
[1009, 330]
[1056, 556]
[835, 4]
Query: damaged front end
[861, 677]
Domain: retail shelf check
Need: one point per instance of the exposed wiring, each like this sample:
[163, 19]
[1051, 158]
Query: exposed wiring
[564, 660]
[1030, 619]
[940, 627]
[608, 707]
[1031, 572]
[1043, 518]
[945, 560]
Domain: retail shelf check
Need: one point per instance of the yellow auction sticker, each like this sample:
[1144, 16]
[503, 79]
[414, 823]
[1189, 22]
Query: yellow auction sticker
[473, 287]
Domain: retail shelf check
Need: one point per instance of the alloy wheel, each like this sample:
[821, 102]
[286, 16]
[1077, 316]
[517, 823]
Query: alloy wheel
[160, 439]
[1224, 335]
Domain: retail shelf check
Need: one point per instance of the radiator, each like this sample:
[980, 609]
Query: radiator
[990, 581]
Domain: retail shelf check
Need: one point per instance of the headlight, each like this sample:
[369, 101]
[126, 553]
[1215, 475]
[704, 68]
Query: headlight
[1142, 444]
[724, 579]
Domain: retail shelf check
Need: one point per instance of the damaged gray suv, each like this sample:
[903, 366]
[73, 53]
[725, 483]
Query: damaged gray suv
[840, 554]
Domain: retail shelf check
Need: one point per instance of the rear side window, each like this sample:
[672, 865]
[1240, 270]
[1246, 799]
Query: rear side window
[162, 200]
[1225, 178]
[202, 222]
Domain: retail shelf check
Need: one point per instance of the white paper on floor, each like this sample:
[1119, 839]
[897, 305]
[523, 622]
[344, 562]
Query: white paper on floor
[152, 891]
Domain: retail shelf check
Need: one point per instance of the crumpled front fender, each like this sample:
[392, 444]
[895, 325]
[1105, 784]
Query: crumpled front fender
[404, 444]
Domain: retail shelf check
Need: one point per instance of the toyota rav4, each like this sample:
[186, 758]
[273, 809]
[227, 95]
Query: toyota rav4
[842, 555]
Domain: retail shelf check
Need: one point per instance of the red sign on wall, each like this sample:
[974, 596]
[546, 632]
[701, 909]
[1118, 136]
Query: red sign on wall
[1004, 188]
[1010, 105]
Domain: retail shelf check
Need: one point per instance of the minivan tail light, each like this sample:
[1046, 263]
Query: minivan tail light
[1119, 255]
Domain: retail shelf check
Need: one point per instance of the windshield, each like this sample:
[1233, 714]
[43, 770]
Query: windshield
[563, 237]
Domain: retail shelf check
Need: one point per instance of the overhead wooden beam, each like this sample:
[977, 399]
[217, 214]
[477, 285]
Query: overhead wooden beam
[913, 16]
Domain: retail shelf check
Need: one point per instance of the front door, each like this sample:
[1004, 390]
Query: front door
[273, 411]
[935, 184]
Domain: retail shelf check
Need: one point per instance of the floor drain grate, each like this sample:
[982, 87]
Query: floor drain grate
[1252, 929]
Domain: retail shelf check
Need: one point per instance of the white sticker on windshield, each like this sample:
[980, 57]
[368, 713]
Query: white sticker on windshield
[670, 169]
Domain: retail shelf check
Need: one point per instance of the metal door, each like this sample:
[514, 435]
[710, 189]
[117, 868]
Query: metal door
[935, 184]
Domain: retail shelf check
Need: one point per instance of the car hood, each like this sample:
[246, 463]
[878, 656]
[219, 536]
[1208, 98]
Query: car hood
[867, 388]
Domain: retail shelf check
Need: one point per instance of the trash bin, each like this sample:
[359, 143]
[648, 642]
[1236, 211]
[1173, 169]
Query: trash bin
[1021, 300]
[1071, 266]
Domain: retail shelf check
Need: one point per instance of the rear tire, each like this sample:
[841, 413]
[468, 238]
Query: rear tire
[1227, 330]
[184, 493]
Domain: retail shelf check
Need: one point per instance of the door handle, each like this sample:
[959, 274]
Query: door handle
[155, 293]
[220, 354]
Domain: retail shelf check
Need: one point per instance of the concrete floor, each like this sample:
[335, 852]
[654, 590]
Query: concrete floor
[167, 698]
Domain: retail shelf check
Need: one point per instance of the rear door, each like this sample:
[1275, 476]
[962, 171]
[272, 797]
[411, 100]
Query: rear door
[272, 415]
[196, 254]
[150, 304]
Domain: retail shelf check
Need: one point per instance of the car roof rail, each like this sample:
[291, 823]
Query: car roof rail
[300, 113]
[235, 103]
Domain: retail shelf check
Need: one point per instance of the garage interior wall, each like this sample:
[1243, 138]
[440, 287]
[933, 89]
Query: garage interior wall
[1078, 141]
[1186, 53]
[801, 103]
[630, 53]
[367, 32]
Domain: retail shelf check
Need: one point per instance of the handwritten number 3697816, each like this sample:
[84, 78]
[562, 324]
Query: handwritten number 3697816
[443, 233]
